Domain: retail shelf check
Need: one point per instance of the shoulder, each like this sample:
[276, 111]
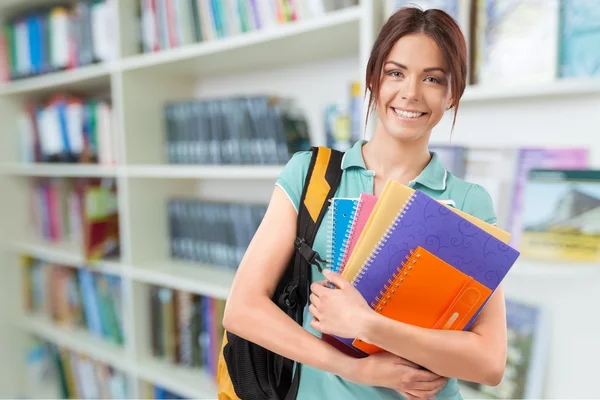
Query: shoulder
[472, 198]
[292, 177]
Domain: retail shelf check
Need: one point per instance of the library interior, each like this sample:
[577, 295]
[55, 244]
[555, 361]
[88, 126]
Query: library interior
[119, 244]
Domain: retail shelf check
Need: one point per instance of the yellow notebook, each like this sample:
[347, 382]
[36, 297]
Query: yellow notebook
[390, 203]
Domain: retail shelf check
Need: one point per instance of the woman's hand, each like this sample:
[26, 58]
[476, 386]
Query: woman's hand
[341, 311]
[388, 370]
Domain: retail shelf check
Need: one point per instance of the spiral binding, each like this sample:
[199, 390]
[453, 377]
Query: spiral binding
[330, 236]
[350, 233]
[382, 242]
[394, 283]
[347, 234]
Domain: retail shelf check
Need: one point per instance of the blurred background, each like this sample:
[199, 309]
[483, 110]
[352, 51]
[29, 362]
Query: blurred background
[140, 141]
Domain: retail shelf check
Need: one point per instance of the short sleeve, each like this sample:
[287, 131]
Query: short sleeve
[292, 177]
[479, 204]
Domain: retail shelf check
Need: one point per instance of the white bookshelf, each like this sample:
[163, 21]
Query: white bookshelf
[309, 60]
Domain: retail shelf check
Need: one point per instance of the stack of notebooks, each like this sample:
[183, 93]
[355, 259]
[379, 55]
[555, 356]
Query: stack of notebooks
[415, 259]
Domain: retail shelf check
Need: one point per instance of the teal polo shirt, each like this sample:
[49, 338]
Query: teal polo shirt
[436, 182]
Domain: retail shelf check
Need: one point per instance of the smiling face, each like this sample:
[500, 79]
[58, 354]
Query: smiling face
[415, 88]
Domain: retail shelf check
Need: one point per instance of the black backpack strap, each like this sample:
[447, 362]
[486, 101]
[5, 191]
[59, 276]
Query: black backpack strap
[322, 180]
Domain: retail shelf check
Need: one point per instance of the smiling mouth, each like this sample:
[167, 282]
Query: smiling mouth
[407, 114]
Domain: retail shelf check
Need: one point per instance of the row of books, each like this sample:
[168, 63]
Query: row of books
[82, 212]
[57, 38]
[73, 375]
[186, 328]
[545, 197]
[240, 130]
[212, 232]
[75, 297]
[67, 129]
[563, 32]
[171, 23]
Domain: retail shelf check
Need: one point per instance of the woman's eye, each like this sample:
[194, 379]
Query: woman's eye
[433, 79]
[395, 74]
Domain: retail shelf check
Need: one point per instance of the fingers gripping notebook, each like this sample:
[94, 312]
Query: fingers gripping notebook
[430, 293]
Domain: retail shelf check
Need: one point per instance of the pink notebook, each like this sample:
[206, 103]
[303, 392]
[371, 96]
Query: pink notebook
[366, 203]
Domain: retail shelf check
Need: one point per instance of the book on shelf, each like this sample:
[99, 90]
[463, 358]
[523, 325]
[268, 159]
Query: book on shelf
[507, 30]
[580, 33]
[185, 329]
[55, 38]
[80, 212]
[561, 215]
[529, 158]
[73, 375]
[238, 130]
[74, 297]
[214, 233]
[528, 327]
[169, 24]
[67, 129]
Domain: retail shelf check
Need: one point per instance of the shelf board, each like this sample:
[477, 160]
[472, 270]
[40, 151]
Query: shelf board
[191, 277]
[65, 254]
[77, 340]
[58, 170]
[86, 78]
[205, 171]
[561, 87]
[335, 34]
[193, 383]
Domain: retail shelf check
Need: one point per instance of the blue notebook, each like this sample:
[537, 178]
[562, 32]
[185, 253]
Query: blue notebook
[427, 223]
[340, 223]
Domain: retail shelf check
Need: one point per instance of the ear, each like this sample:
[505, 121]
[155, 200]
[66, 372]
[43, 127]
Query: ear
[450, 104]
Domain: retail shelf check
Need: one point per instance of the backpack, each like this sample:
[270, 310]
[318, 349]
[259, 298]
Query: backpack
[246, 370]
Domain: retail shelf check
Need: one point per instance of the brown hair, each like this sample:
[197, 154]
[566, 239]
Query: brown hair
[435, 23]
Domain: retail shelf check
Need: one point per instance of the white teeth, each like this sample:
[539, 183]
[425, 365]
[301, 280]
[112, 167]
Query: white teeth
[407, 114]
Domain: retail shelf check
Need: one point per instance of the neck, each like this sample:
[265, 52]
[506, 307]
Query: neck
[391, 158]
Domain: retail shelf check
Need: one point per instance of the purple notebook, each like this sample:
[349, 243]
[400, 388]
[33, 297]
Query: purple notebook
[427, 223]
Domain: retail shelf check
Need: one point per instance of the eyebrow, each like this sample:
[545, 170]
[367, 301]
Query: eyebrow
[430, 69]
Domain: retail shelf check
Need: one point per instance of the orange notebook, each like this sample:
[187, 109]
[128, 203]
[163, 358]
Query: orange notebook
[429, 293]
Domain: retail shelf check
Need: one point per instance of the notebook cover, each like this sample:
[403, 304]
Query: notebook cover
[429, 293]
[389, 204]
[341, 217]
[366, 203]
[428, 223]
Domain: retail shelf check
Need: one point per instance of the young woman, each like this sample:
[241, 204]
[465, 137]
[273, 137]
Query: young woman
[416, 72]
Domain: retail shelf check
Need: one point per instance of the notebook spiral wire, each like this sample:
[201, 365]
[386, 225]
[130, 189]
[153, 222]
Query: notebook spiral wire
[382, 242]
[330, 235]
[394, 283]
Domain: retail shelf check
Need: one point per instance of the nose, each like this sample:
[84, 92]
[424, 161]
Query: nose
[410, 89]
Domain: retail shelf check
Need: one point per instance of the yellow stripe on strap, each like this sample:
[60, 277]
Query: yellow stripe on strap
[318, 187]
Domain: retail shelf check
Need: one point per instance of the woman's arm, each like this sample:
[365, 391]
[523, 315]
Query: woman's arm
[250, 312]
[478, 355]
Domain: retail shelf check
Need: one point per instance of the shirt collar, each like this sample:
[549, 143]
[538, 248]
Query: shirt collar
[434, 175]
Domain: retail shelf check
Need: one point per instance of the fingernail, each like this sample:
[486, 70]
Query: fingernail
[326, 271]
